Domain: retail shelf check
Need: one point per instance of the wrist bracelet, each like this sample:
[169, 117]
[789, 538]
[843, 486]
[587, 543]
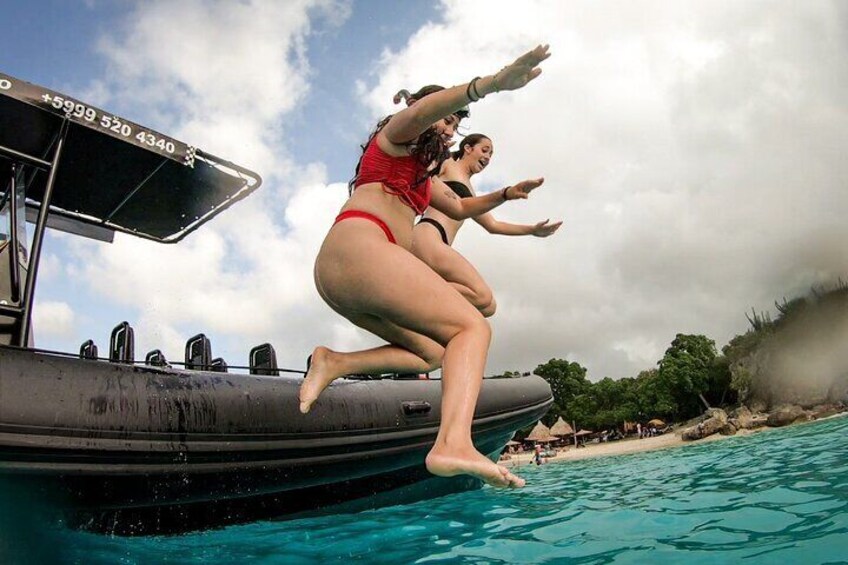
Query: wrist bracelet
[503, 193]
[472, 85]
[474, 88]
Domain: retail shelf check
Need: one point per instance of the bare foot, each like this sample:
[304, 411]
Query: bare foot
[318, 377]
[447, 463]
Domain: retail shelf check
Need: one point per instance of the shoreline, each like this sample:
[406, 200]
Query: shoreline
[630, 446]
[621, 447]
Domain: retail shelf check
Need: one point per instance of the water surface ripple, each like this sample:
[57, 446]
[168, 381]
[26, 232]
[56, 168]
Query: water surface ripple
[780, 496]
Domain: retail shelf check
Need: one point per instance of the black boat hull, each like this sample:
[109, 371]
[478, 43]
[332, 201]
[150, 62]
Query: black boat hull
[121, 444]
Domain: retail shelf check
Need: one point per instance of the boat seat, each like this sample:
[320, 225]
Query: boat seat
[198, 353]
[364, 377]
[263, 360]
[88, 350]
[122, 344]
[156, 358]
[410, 376]
[218, 365]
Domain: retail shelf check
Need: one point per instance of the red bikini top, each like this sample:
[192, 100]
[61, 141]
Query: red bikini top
[403, 176]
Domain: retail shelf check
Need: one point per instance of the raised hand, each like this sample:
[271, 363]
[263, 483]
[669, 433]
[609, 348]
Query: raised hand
[523, 189]
[544, 229]
[517, 74]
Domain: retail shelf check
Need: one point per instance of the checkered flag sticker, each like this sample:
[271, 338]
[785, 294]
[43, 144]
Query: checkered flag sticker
[189, 156]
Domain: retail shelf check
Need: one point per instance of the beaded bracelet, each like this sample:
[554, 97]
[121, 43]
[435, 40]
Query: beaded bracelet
[495, 84]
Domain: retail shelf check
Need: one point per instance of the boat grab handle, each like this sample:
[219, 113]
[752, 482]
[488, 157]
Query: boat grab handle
[416, 407]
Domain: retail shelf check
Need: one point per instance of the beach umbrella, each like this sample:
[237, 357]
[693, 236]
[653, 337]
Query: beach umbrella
[584, 433]
[561, 428]
[540, 433]
[513, 442]
[656, 422]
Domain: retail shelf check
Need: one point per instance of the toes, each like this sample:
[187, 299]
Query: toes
[500, 482]
[513, 481]
[500, 479]
[516, 481]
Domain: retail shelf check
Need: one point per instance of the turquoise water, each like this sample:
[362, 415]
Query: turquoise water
[779, 496]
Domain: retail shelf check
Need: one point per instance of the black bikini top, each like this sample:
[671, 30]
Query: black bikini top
[459, 188]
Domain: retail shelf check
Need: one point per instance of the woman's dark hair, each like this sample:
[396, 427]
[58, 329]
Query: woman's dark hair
[427, 148]
[421, 93]
[469, 140]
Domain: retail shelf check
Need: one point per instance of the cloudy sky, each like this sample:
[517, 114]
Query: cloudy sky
[695, 150]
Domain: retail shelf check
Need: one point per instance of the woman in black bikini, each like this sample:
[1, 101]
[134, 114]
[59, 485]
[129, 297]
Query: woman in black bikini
[434, 234]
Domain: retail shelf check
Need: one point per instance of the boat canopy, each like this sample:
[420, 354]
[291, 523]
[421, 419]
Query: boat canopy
[114, 175]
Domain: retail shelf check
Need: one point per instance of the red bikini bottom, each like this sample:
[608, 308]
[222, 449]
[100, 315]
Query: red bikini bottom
[366, 216]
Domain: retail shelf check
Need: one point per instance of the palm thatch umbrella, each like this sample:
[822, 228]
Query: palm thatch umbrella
[656, 422]
[584, 433]
[561, 428]
[540, 433]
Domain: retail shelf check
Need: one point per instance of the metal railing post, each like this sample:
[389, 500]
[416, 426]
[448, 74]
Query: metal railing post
[38, 239]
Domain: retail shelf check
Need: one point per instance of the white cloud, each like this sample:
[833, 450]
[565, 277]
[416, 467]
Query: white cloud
[53, 319]
[222, 76]
[50, 267]
[693, 149]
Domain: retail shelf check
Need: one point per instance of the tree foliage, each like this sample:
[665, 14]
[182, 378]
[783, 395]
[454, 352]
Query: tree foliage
[689, 367]
[685, 371]
[568, 381]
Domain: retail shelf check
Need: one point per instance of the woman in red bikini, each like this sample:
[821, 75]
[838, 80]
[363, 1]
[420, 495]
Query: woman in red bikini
[366, 273]
[435, 232]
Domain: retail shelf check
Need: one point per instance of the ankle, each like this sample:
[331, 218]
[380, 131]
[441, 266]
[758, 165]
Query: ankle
[454, 442]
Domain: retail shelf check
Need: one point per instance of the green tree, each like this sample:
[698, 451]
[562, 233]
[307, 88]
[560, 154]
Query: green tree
[509, 374]
[720, 391]
[653, 398]
[568, 381]
[611, 402]
[684, 372]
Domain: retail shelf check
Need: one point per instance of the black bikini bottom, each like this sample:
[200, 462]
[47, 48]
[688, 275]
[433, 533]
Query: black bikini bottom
[436, 225]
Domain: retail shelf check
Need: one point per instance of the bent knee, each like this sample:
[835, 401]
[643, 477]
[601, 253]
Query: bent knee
[478, 325]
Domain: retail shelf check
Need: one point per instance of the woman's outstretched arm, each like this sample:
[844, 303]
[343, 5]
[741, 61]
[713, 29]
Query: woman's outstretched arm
[411, 122]
[494, 226]
[445, 200]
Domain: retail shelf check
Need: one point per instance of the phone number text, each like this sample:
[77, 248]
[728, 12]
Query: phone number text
[75, 109]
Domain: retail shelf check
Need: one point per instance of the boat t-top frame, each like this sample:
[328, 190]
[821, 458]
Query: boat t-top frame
[74, 167]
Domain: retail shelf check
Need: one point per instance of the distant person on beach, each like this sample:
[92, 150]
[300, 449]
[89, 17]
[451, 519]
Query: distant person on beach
[538, 456]
[366, 272]
[435, 232]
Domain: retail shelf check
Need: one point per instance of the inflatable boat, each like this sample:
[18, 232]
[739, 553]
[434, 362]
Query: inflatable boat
[140, 446]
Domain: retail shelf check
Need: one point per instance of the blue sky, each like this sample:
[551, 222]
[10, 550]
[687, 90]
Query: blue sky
[695, 151]
[54, 44]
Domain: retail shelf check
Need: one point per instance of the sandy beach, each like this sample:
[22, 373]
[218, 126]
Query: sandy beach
[621, 447]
